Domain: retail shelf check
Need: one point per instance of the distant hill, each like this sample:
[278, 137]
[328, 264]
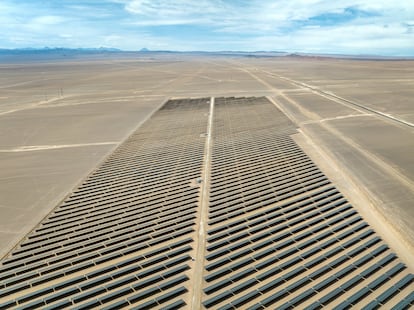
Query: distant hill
[57, 49]
[62, 53]
[55, 53]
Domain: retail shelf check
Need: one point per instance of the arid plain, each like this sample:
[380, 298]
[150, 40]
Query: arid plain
[59, 119]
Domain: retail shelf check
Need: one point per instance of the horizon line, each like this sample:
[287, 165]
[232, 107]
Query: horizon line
[146, 50]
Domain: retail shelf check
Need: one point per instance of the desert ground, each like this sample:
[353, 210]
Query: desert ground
[59, 119]
[175, 180]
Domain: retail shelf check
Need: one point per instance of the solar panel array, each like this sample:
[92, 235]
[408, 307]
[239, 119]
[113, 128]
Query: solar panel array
[122, 238]
[279, 234]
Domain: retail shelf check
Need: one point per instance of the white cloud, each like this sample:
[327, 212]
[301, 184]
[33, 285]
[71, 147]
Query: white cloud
[173, 8]
[66, 35]
[352, 39]
[257, 13]
[181, 12]
[161, 22]
[47, 20]
[286, 24]
[212, 24]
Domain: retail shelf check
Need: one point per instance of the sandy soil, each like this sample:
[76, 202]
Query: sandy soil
[59, 119]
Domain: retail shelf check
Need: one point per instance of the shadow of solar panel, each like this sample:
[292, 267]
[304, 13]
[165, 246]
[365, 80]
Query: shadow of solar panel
[279, 234]
[128, 227]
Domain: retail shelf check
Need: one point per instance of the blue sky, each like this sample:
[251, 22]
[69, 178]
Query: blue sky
[381, 27]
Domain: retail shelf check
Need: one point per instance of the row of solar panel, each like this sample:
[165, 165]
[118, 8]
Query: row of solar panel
[253, 264]
[123, 238]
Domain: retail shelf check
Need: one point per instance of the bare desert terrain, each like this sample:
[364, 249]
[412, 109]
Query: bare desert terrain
[341, 126]
[59, 119]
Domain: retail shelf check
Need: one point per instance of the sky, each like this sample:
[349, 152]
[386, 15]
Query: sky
[379, 27]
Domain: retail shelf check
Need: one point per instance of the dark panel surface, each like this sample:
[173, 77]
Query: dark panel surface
[279, 233]
[123, 237]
